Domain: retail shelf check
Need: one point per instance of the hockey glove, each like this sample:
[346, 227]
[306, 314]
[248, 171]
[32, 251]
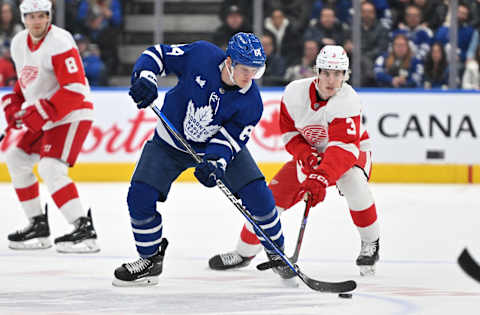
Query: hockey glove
[211, 169]
[309, 159]
[315, 184]
[144, 89]
[37, 115]
[12, 104]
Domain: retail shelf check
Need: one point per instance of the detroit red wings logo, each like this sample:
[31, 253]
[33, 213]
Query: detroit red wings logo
[27, 75]
[314, 134]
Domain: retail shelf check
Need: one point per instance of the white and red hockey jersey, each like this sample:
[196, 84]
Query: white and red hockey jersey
[52, 69]
[333, 127]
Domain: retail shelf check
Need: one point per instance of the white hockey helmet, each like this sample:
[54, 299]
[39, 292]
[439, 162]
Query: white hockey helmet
[31, 6]
[332, 57]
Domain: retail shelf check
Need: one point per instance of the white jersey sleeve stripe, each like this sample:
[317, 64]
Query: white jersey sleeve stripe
[287, 136]
[230, 139]
[350, 147]
[157, 60]
[222, 142]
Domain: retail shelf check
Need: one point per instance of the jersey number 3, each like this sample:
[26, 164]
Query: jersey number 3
[71, 65]
[351, 130]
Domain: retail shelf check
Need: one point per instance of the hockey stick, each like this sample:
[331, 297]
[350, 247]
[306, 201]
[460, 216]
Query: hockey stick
[332, 287]
[294, 258]
[468, 264]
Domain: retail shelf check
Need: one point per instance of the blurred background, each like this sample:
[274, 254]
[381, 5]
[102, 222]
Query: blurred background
[415, 64]
[393, 43]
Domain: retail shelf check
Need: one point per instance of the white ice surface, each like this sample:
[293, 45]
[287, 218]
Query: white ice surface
[424, 228]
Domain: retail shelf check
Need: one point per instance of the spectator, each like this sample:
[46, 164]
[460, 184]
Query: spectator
[10, 24]
[326, 31]
[433, 12]
[275, 64]
[399, 68]
[374, 43]
[93, 64]
[471, 76]
[8, 76]
[287, 40]
[245, 6]
[420, 36]
[436, 68]
[476, 14]
[465, 32]
[234, 22]
[397, 8]
[101, 20]
[305, 68]
[298, 12]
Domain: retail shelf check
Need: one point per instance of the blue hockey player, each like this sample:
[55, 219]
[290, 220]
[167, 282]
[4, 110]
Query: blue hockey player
[214, 106]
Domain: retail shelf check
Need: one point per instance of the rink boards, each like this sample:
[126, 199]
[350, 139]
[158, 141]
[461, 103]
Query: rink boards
[417, 136]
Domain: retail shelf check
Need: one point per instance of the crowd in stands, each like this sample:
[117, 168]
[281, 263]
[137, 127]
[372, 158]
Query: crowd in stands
[404, 43]
[96, 25]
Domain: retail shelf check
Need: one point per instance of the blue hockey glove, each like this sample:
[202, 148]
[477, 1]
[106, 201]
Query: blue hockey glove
[211, 169]
[144, 89]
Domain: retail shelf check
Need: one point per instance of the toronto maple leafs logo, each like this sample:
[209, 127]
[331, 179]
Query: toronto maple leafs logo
[197, 121]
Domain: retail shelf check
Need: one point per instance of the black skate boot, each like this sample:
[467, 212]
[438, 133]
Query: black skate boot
[369, 255]
[280, 266]
[229, 260]
[143, 272]
[81, 239]
[34, 236]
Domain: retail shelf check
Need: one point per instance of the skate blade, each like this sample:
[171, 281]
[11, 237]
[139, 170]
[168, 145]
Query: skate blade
[143, 282]
[367, 271]
[84, 247]
[32, 244]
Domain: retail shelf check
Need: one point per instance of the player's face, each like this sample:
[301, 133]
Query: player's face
[243, 75]
[37, 23]
[329, 81]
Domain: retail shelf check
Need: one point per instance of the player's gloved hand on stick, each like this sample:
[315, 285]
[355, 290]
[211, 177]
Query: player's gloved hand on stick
[211, 169]
[316, 185]
[309, 158]
[37, 115]
[12, 104]
[144, 89]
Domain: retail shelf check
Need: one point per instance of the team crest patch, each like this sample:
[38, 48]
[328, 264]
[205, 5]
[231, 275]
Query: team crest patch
[27, 75]
[196, 125]
[314, 134]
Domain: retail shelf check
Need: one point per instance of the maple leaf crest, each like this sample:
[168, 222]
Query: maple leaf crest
[197, 123]
[271, 127]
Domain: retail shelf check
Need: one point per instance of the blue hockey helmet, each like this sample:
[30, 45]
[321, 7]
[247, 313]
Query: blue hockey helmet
[246, 49]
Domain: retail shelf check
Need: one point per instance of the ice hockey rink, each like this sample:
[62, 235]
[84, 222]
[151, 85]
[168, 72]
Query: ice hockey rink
[424, 228]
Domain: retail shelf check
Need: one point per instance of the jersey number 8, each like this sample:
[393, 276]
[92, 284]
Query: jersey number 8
[71, 65]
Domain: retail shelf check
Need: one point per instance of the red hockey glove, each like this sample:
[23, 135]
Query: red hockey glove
[12, 104]
[38, 114]
[309, 159]
[315, 184]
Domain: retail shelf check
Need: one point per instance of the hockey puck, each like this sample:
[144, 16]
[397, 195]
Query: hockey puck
[345, 295]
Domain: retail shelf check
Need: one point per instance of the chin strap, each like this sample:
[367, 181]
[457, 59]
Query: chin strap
[230, 73]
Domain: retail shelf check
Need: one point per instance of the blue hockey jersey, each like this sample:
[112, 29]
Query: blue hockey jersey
[212, 117]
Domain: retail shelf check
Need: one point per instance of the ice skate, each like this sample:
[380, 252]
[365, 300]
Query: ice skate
[369, 255]
[229, 260]
[34, 236]
[81, 240]
[143, 272]
[280, 266]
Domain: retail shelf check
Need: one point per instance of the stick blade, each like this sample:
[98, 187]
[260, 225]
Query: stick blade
[469, 265]
[328, 287]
